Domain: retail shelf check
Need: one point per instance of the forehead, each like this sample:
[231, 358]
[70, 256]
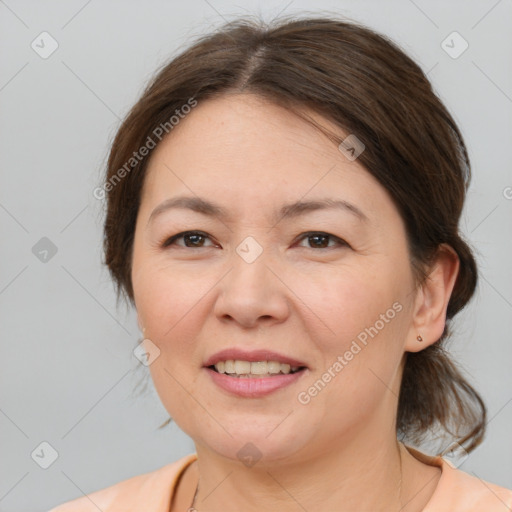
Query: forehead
[227, 125]
[244, 136]
[242, 149]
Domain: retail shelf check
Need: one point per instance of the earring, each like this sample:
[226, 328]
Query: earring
[419, 338]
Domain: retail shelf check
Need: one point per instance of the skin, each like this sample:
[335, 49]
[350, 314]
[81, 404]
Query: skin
[303, 297]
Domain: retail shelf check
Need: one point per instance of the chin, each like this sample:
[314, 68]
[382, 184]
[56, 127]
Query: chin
[253, 443]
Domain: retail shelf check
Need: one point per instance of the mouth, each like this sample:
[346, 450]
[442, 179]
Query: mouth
[237, 362]
[243, 369]
[253, 374]
[247, 384]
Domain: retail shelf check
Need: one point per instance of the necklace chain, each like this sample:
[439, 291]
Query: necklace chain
[193, 509]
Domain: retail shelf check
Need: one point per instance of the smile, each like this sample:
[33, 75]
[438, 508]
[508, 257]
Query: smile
[253, 369]
[253, 385]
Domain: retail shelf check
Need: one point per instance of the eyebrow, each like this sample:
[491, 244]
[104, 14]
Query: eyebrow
[291, 210]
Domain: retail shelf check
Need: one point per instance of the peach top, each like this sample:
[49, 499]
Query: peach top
[456, 491]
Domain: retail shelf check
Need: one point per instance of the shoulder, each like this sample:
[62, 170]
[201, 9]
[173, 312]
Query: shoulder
[458, 491]
[471, 493]
[149, 491]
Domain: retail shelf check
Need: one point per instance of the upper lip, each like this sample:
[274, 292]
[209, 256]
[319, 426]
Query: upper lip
[252, 356]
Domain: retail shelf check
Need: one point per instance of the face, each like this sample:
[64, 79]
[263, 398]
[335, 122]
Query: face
[326, 283]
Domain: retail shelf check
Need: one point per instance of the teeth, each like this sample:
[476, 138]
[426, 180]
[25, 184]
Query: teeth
[242, 367]
[273, 367]
[256, 368]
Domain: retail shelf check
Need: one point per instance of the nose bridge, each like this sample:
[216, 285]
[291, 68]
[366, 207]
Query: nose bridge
[250, 250]
[249, 269]
[251, 290]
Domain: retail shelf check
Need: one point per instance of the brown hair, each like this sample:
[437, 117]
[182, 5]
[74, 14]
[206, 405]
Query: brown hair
[368, 86]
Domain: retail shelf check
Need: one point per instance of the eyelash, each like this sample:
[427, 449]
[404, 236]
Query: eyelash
[171, 241]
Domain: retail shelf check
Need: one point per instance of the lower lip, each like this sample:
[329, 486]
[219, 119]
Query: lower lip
[253, 387]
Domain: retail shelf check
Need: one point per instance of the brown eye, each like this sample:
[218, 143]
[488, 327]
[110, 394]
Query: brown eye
[319, 240]
[191, 239]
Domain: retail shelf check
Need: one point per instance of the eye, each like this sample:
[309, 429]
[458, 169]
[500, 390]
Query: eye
[196, 239]
[320, 240]
[192, 239]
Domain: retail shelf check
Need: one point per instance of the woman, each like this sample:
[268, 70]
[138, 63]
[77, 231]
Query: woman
[283, 209]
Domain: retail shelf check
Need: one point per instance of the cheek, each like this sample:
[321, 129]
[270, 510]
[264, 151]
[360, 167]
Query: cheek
[346, 302]
[167, 301]
[357, 369]
[164, 300]
[361, 349]
[169, 305]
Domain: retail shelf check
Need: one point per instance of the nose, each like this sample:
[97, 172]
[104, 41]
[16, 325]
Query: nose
[252, 293]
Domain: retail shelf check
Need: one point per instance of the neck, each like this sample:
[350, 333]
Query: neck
[356, 476]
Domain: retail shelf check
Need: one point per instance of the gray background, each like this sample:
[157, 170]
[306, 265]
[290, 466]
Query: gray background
[67, 370]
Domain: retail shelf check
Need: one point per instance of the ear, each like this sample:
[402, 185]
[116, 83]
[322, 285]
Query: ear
[429, 316]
